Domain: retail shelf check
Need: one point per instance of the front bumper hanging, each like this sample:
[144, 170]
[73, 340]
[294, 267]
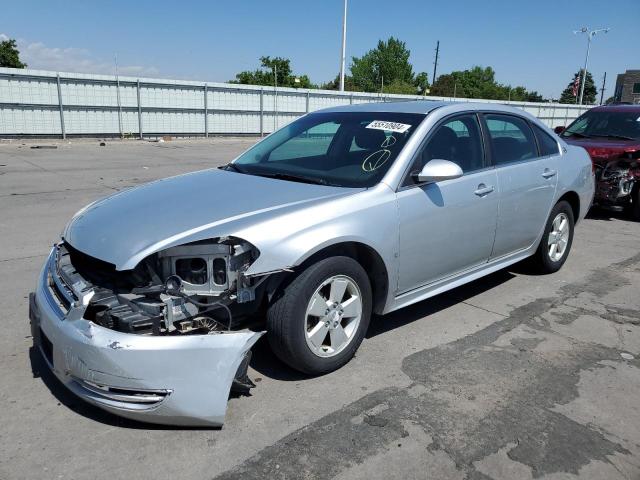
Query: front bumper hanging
[172, 380]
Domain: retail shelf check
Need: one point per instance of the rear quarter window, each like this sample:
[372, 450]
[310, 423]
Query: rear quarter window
[546, 143]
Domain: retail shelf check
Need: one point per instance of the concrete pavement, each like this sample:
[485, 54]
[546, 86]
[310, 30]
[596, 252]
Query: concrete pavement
[511, 377]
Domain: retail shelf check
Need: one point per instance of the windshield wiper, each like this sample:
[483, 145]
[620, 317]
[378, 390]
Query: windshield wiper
[621, 137]
[294, 178]
[232, 166]
[576, 134]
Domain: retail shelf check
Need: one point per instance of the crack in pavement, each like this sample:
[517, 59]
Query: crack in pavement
[491, 390]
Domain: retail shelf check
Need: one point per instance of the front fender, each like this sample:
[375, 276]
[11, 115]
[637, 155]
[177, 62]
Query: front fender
[369, 218]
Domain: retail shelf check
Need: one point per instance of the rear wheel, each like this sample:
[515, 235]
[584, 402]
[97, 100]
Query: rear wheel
[318, 321]
[556, 241]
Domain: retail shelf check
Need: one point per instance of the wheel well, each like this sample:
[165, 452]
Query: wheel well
[370, 261]
[574, 200]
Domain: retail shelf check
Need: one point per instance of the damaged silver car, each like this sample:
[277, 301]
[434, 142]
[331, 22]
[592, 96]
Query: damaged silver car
[149, 305]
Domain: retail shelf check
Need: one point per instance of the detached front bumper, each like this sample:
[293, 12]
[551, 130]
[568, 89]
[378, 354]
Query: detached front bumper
[172, 380]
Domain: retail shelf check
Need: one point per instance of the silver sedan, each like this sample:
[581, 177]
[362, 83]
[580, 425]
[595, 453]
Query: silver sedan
[149, 305]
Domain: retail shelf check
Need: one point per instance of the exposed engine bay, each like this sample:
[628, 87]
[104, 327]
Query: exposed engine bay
[198, 288]
[615, 181]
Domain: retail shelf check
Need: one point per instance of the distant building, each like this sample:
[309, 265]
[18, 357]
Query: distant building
[628, 87]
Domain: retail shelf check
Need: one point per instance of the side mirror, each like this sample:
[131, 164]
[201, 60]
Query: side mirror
[559, 130]
[437, 170]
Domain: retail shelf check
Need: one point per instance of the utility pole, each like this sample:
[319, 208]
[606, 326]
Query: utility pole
[435, 64]
[604, 82]
[343, 58]
[590, 35]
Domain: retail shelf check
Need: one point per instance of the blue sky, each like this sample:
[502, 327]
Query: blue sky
[528, 43]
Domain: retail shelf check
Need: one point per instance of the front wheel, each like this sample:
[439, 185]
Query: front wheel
[316, 324]
[556, 241]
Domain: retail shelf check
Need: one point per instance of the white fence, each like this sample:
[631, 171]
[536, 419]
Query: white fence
[42, 103]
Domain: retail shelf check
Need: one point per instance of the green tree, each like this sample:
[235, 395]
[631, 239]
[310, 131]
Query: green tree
[480, 82]
[334, 84]
[265, 75]
[590, 90]
[421, 82]
[9, 55]
[534, 96]
[388, 63]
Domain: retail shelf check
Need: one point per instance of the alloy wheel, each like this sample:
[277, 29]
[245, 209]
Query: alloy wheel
[333, 315]
[558, 237]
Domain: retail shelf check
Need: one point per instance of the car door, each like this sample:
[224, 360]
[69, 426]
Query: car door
[527, 181]
[447, 226]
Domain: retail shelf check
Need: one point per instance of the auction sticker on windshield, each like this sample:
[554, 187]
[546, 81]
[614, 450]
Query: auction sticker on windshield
[389, 126]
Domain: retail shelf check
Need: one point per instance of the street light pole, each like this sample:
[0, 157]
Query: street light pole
[590, 35]
[344, 46]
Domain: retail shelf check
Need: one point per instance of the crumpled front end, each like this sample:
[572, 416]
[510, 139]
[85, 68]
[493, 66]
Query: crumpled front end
[615, 181]
[177, 375]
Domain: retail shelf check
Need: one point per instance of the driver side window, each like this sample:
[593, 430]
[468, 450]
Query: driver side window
[457, 140]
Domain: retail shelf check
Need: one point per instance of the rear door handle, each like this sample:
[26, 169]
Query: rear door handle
[483, 190]
[548, 173]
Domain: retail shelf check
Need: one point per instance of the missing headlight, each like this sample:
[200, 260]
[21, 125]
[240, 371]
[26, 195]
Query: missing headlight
[193, 270]
[190, 289]
[201, 267]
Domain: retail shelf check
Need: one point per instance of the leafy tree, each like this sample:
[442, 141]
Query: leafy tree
[388, 63]
[446, 86]
[334, 84]
[479, 82]
[265, 76]
[9, 55]
[534, 96]
[421, 82]
[590, 90]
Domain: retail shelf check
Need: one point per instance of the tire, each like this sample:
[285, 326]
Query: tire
[294, 330]
[545, 260]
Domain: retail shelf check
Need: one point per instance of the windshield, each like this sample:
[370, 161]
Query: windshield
[347, 149]
[602, 123]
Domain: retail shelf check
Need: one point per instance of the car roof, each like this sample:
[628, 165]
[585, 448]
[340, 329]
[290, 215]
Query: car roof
[421, 106]
[618, 108]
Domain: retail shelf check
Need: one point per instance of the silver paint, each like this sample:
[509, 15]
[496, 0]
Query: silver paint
[431, 238]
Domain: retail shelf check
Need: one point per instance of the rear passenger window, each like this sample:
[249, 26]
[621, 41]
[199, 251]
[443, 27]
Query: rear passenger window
[511, 139]
[546, 143]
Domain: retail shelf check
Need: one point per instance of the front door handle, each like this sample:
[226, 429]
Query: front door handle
[548, 173]
[483, 190]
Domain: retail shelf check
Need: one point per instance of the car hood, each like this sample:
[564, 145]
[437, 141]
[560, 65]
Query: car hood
[125, 227]
[604, 149]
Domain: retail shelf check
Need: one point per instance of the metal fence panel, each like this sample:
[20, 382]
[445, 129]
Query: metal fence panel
[35, 102]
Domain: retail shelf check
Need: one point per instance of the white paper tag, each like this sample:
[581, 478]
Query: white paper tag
[389, 126]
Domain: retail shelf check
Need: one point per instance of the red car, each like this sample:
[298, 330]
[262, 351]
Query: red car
[611, 135]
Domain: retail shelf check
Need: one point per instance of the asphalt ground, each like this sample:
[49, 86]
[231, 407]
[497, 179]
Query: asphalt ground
[513, 376]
